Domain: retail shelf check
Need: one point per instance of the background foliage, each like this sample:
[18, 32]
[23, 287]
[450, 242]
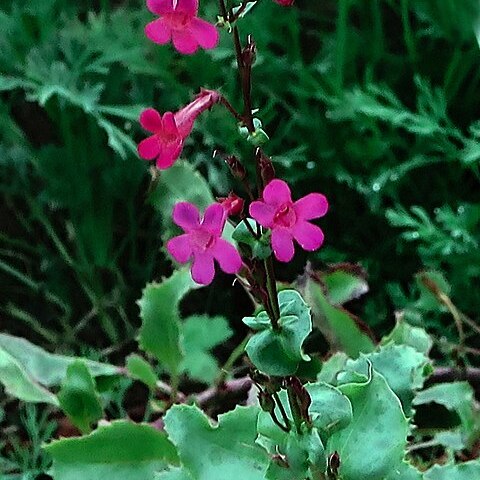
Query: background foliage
[374, 103]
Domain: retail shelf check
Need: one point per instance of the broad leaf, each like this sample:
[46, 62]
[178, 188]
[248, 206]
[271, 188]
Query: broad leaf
[78, 397]
[461, 471]
[121, 450]
[341, 328]
[199, 334]
[20, 384]
[159, 310]
[345, 282]
[405, 334]
[401, 366]
[280, 352]
[220, 452]
[373, 443]
[141, 370]
[47, 368]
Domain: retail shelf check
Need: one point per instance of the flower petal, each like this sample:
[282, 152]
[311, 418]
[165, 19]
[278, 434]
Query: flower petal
[282, 244]
[214, 219]
[313, 205]
[186, 216]
[168, 124]
[151, 120]
[160, 7]
[205, 33]
[203, 268]
[179, 248]
[158, 31]
[277, 192]
[262, 213]
[149, 148]
[169, 153]
[309, 236]
[189, 7]
[184, 41]
[227, 256]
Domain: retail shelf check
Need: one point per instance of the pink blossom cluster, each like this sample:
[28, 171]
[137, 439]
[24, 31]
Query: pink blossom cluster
[202, 243]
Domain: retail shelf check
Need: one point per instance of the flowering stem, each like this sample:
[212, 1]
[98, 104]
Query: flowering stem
[272, 293]
[282, 410]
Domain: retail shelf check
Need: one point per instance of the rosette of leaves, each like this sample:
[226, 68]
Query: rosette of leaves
[278, 352]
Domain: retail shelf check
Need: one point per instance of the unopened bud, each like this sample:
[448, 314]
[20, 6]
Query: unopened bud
[233, 204]
[267, 169]
[236, 167]
[249, 53]
[266, 401]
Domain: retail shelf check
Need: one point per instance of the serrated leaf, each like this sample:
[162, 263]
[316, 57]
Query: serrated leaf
[339, 326]
[405, 334]
[280, 352]
[121, 450]
[159, 311]
[199, 334]
[78, 397]
[227, 450]
[47, 368]
[332, 367]
[461, 471]
[304, 453]
[141, 370]
[20, 384]
[457, 397]
[373, 443]
[401, 365]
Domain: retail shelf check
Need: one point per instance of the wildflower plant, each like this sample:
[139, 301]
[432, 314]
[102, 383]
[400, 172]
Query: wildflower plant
[349, 418]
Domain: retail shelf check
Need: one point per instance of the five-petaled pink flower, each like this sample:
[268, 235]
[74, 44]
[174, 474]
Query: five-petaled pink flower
[171, 129]
[203, 241]
[179, 23]
[289, 220]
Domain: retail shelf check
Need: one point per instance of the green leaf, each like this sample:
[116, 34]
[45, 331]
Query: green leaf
[260, 248]
[78, 397]
[20, 384]
[47, 368]
[330, 409]
[304, 454]
[457, 397]
[121, 450]
[220, 452]
[339, 326]
[405, 334]
[345, 282]
[404, 471]
[461, 471]
[159, 311]
[173, 474]
[401, 366]
[332, 367]
[199, 334]
[141, 370]
[280, 352]
[373, 444]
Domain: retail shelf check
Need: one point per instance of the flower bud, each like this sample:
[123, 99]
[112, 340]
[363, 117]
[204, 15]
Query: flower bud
[232, 204]
[267, 169]
[236, 167]
[285, 3]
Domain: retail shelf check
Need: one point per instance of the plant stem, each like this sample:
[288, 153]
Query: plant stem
[234, 356]
[282, 410]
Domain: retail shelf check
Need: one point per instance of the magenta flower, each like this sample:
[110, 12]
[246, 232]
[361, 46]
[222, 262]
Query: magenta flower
[285, 3]
[289, 220]
[203, 241]
[179, 23]
[171, 129]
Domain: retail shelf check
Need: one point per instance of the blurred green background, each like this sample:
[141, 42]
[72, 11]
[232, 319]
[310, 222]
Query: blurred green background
[374, 103]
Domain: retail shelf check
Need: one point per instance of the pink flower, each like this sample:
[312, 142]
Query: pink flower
[171, 129]
[288, 220]
[203, 241]
[179, 22]
[285, 3]
[233, 204]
